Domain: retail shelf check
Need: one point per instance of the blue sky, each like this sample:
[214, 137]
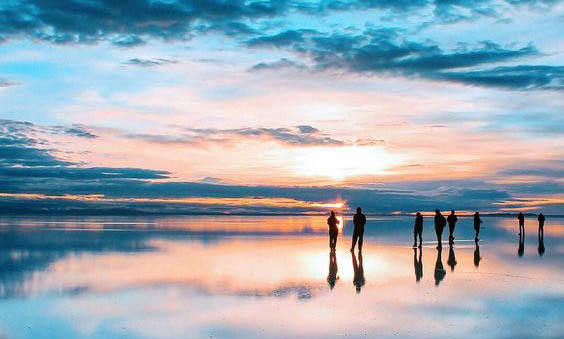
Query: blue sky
[393, 105]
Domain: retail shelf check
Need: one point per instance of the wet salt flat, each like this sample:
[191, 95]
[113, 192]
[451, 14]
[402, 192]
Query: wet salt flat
[271, 277]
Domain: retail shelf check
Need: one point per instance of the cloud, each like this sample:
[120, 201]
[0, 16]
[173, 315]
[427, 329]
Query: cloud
[125, 23]
[512, 77]
[384, 51]
[131, 23]
[280, 64]
[291, 136]
[75, 130]
[8, 83]
[149, 62]
[24, 156]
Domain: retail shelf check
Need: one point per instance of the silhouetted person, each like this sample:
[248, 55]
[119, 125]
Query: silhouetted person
[521, 249]
[359, 220]
[439, 269]
[451, 219]
[418, 264]
[541, 219]
[477, 256]
[521, 218]
[418, 229]
[332, 221]
[451, 258]
[358, 279]
[440, 223]
[333, 269]
[477, 223]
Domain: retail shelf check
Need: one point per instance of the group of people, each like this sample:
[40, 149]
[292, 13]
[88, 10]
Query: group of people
[359, 220]
[440, 223]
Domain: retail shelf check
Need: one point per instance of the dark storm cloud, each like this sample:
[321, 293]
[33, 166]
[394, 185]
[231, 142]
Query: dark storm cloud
[294, 136]
[149, 62]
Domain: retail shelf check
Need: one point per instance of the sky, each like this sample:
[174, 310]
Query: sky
[179, 106]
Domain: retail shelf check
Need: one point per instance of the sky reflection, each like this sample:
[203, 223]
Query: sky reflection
[144, 281]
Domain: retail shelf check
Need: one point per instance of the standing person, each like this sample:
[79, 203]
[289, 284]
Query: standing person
[541, 219]
[452, 219]
[521, 218]
[477, 223]
[332, 221]
[417, 229]
[359, 220]
[440, 223]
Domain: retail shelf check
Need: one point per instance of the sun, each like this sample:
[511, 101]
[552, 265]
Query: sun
[339, 163]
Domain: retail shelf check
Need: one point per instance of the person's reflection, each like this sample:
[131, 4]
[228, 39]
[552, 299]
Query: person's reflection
[439, 269]
[333, 269]
[541, 242]
[358, 279]
[418, 264]
[477, 256]
[521, 249]
[451, 258]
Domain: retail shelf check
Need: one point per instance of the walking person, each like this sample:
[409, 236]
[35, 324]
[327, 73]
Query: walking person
[477, 223]
[417, 229]
[359, 220]
[451, 219]
[440, 223]
[332, 221]
[521, 218]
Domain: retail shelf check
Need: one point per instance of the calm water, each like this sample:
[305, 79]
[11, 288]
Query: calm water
[244, 277]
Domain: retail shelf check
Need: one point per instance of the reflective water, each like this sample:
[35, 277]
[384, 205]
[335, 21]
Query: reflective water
[264, 277]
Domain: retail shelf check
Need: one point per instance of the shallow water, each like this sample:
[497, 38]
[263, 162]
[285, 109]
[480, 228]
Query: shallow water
[264, 277]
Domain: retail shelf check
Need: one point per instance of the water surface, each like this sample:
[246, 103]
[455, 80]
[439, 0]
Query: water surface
[271, 277]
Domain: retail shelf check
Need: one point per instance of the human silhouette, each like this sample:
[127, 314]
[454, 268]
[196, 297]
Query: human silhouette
[439, 269]
[521, 218]
[332, 221]
[418, 229]
[418, 264]
[359, 220]
[358, 279]
[451, 258]
[477, 256]
[521, 249]
[477, 223]
[333, 269]
[451, 219]
[440, 223]
[541, 219]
